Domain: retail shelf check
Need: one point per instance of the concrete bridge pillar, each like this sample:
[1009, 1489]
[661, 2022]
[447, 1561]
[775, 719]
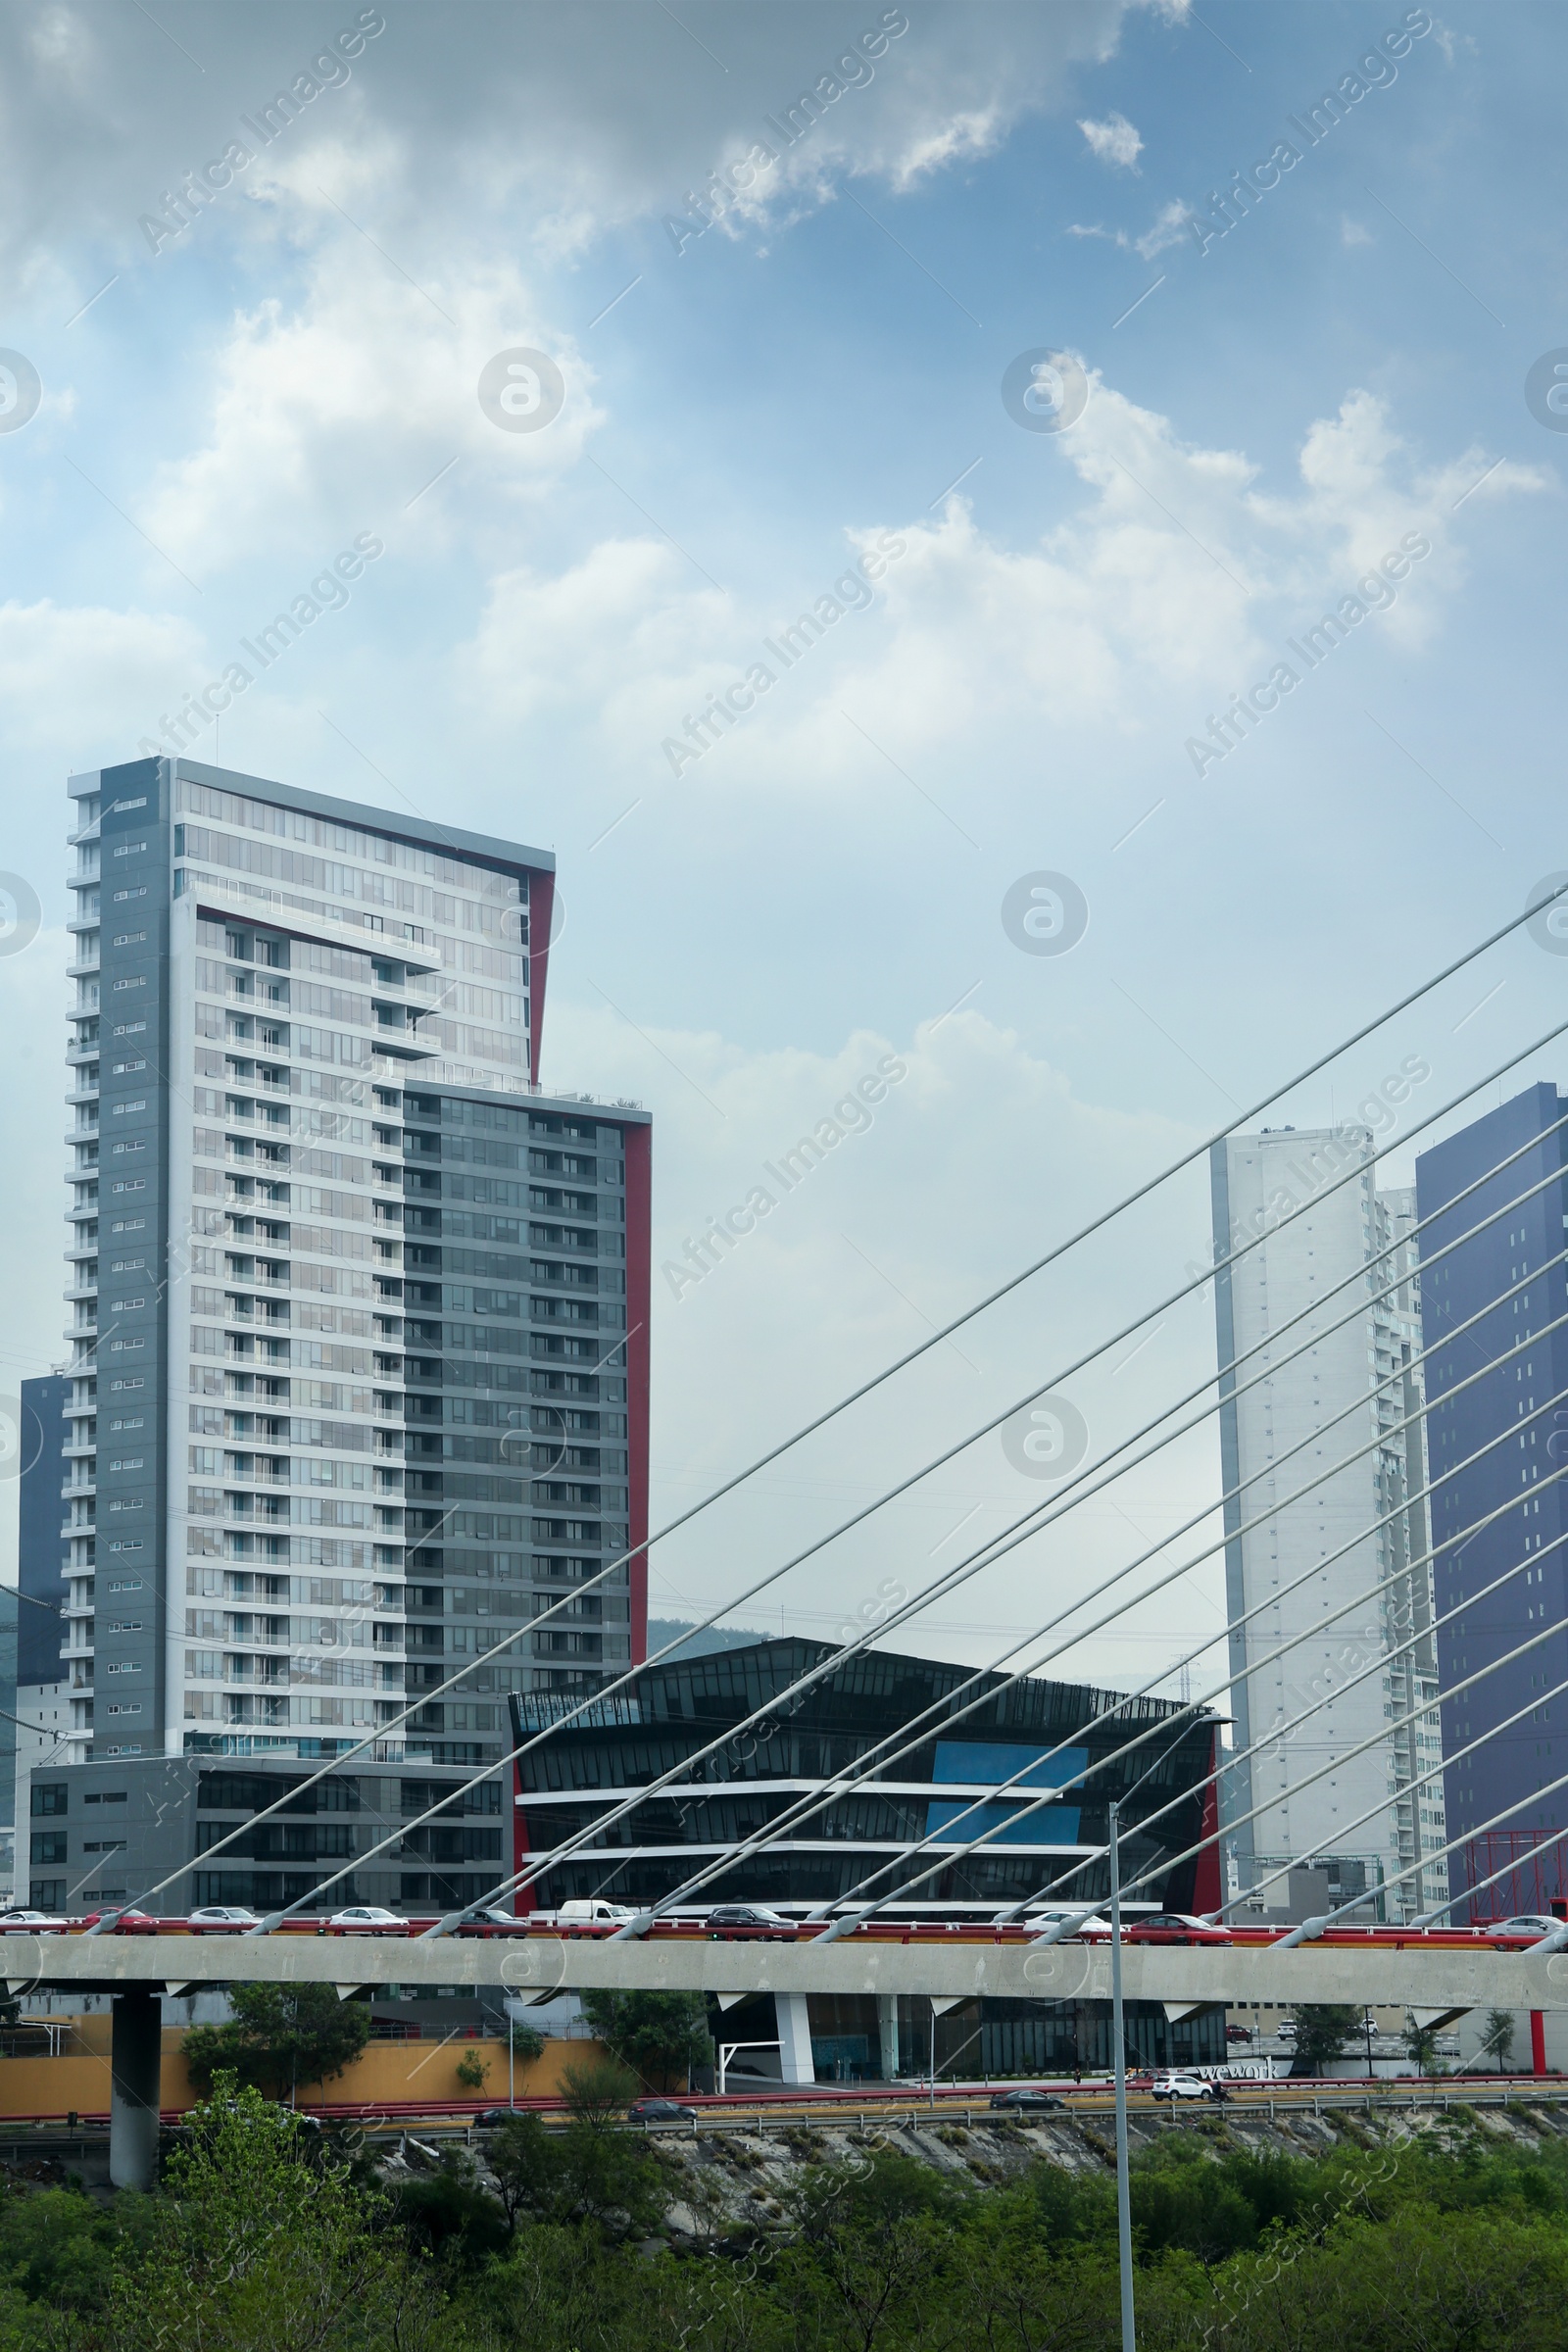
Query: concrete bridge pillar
[886, 2020]
[795, 2063]
[136, 2064]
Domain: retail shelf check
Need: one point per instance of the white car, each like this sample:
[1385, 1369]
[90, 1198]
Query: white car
[1090, 1923]
[366, 1919]
[31, 1923]
[221, 1919]
[1189, 2086]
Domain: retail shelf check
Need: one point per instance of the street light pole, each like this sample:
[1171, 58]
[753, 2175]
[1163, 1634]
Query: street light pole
[1124, 2221]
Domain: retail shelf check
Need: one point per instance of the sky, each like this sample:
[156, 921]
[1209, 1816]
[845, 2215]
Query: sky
[628, 360]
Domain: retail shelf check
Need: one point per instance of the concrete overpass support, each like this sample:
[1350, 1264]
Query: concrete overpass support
[794, 2037]
[136, 2064]
[886, 2020]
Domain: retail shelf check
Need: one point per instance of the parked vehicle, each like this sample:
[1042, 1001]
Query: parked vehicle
[1237, 2033]
[1024, 2102]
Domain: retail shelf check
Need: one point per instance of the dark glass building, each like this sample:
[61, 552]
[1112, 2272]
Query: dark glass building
[1517, 1478]
[676, 1708]
[672, 1709]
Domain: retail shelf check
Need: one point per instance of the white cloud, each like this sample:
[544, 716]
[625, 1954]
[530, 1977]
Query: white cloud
[1179, 569]
[1114, 141]
[329, 415]
[1170, 227]
[1352, 232]
[569, 125]
[850, 1268]
[74, 676]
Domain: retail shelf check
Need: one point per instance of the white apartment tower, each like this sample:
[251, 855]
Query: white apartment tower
[352, 1388]
[1327, 1572]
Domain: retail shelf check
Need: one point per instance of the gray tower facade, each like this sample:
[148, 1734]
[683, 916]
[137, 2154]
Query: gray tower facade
[314, 1287]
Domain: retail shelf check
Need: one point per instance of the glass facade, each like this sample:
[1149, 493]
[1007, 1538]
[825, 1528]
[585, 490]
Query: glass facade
[352, 1390]
[673, 1710]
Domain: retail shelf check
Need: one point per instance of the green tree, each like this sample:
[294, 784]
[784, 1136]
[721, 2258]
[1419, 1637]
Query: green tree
[280, 2037]
[254, 2245]
[448, 2215]
[584, 2173]
[1496, 2038]
[663, 2035]
[868, 2250]
[59, 2247]
[1421, 2045]
[1324, 2031]
[527, 2043]
[473, 2069]
[598, 2091]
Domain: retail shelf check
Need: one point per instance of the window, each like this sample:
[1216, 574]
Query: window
[48, 1845]
[50, 1797]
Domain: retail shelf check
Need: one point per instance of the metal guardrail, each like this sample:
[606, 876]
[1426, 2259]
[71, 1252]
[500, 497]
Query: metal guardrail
[23, 2136]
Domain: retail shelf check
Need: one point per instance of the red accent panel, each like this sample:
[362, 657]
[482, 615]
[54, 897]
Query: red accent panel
[541, 908]
[1538, 2042]
[638, 1142]
[1207, 1890]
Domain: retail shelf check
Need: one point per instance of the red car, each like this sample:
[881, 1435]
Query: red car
[1174, 1927]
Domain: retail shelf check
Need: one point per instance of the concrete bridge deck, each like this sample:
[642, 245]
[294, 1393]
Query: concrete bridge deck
[1440, 1977]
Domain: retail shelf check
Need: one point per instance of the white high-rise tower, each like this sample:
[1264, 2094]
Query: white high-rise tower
[1341, 1397]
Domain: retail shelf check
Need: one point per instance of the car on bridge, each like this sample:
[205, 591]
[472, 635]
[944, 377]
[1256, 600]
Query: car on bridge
[749, 1920]
[19, 1920]
[586, 1914]
[485, 1918]
[659, 2110]
[1024, 2101]
[222, 1918]
[1174, 1927]
[1084, 1923]
[366, 1919]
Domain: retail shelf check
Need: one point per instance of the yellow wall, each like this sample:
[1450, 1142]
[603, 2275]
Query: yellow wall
[389, 2073]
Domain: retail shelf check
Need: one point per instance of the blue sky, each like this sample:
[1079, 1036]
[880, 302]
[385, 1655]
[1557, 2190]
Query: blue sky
[1343, 369]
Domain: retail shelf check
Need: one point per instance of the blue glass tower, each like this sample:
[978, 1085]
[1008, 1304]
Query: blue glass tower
[1516, 1401]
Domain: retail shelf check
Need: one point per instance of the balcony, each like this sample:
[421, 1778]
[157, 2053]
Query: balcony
[269, 1508]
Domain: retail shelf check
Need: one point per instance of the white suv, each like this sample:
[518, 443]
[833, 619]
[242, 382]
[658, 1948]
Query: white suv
[1189, 2086]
